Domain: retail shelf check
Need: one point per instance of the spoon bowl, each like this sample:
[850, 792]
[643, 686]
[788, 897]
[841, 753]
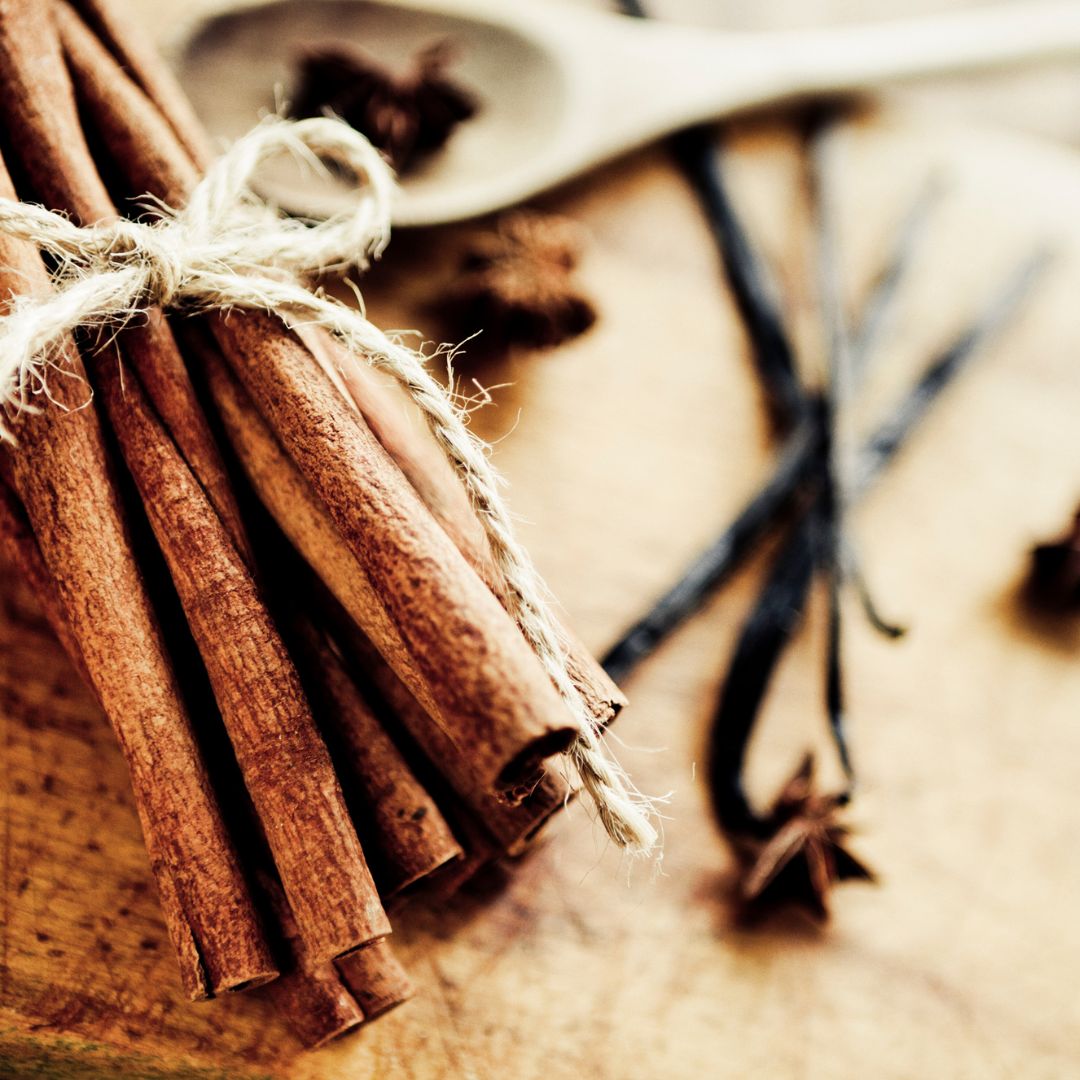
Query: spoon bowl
[563, 89]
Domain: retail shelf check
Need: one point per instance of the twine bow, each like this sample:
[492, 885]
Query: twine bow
[227, 249]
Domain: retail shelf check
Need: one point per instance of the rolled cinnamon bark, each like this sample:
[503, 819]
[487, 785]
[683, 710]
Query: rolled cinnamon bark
[494, 698]
[435, 481]
[403, 832]
[139, 58]
[62, 474]
[21, 548]
[122, 111]
[137, 135]
[284, 762]
[307, 522]
[153, 353]
[376, 979]
[481, 850]
[72, 184]
[510, 824]
[492, 692]
[312, 997]
[298, 511]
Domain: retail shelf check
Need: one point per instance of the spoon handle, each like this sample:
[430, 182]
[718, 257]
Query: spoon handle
[846, 58]
[672, 76]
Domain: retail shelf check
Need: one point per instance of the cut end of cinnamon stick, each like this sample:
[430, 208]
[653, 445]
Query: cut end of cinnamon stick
[376, 979]
[526, 770]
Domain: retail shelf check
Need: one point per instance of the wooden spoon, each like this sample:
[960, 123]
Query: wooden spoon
[562, 89]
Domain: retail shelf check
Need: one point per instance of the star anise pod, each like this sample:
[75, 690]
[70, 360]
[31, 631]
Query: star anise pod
[805, 855]
[516, 286]
[404, 115]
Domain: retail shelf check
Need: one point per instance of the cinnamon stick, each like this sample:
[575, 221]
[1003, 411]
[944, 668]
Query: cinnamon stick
[510, 824]
[493, 695]
[147, 164]
[436, 483]
[61, 471]
[307, 525]
[409, 839]
[492, 692]
[481, 850]
[153, 353]
[22, 551]
[376, 979]
[285, 765]
[313, 997]
[284, 762]
[137, 55]
[298, 511]
[138, 136]
[74, 186]
[22, 548]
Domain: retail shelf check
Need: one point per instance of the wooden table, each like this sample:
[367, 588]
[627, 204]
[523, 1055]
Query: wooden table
[627, 451]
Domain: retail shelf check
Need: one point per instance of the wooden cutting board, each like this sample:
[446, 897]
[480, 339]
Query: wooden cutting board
[626, 452]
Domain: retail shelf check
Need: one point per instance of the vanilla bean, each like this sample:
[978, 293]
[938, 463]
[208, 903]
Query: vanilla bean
[800, 454]
[767, 631]
[695, 150]
[884, 444]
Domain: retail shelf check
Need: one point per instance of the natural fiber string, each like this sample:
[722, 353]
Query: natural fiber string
[227, 249]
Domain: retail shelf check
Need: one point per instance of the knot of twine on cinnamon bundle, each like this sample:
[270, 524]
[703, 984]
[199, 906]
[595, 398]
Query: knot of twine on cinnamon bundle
[227, 249]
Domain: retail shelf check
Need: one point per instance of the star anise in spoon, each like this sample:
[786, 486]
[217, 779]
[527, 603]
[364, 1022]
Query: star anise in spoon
[404, 113]
[805, 855]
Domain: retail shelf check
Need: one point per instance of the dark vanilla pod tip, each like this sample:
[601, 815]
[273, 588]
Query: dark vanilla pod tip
[516, 286]
[1054, 579]
[403, 114]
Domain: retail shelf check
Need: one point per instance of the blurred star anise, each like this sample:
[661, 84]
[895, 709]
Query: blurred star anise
[805, 854]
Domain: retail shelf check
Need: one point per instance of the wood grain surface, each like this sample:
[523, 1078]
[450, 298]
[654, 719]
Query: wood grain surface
[626, 452]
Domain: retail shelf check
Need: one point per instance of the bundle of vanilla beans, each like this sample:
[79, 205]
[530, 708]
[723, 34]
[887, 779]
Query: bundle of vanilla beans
[275, 586]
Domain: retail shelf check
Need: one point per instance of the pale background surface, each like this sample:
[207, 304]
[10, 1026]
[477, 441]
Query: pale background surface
[627, 451]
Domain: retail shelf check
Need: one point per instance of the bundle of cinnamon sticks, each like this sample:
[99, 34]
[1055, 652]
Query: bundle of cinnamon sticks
[275, 586]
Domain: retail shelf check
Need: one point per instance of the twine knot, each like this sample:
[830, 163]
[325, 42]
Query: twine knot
[155, 258]
[227, 249]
